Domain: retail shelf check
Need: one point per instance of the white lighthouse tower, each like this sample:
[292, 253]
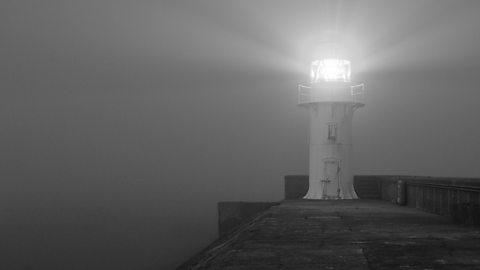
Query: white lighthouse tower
[331, 100]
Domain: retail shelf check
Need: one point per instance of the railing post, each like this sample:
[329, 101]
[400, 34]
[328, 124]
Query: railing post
[401, 192]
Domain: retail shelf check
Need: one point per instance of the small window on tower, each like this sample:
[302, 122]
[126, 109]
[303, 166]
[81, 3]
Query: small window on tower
[332, 131]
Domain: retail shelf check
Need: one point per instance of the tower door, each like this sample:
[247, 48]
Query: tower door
[331, 188]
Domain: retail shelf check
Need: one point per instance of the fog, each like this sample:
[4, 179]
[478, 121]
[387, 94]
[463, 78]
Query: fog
[123, 123]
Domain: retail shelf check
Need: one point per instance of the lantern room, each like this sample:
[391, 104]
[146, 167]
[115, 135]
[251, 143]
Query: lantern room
[330, 70]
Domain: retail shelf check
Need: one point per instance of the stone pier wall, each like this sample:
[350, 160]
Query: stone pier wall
[232, 214]
[454, 197]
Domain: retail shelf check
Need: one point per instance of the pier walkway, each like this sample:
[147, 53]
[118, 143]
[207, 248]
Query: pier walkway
[343, 234]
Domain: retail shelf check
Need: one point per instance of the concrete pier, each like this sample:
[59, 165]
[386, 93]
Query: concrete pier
[343, 234]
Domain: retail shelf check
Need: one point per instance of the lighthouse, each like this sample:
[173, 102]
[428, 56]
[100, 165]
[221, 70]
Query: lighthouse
[331, 100]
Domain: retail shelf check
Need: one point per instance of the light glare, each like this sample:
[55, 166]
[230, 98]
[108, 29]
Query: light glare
[330, 70]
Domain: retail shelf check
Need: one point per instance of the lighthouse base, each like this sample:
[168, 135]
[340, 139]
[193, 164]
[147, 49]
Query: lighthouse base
[316, 196]
[320, 191]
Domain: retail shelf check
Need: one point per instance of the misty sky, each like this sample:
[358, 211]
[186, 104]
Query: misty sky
[124, 122]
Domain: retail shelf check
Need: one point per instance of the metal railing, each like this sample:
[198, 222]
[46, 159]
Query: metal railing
[462, 203]
[305, 94]
[358, 93]
[443, 186]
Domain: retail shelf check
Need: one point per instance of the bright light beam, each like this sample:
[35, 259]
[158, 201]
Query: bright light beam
[330, 70]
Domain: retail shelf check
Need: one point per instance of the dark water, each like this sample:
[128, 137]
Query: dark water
[134, 228]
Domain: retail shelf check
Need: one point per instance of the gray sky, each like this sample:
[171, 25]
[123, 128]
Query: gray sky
[124, 122]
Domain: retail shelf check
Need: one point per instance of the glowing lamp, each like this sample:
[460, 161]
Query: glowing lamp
[330, 70]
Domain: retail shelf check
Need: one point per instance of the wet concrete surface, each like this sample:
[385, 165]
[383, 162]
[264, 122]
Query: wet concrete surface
[345, 234]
